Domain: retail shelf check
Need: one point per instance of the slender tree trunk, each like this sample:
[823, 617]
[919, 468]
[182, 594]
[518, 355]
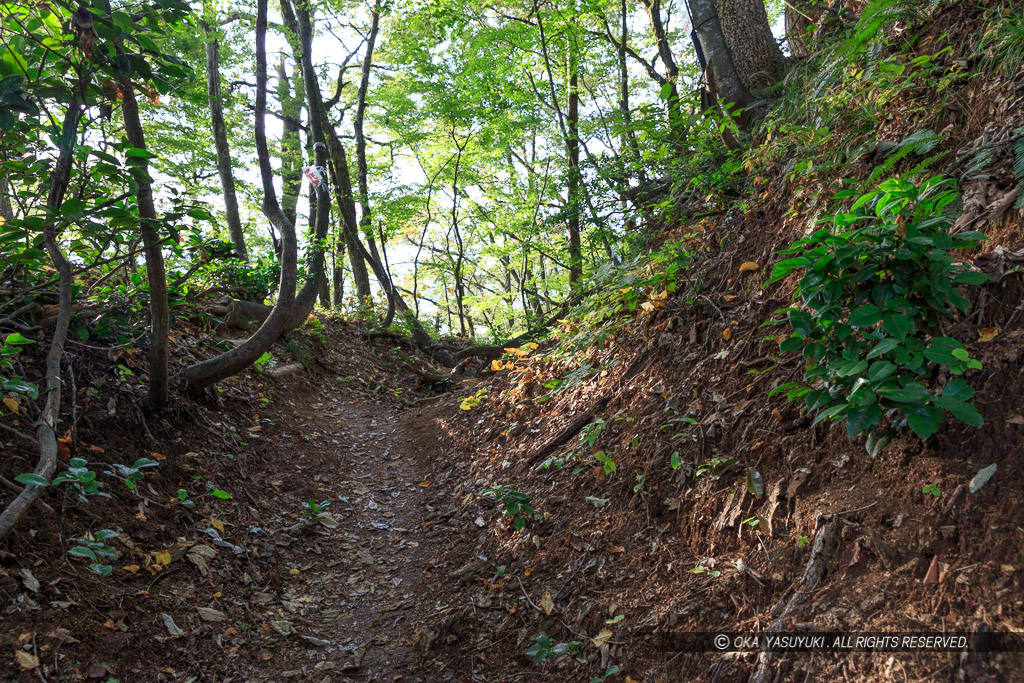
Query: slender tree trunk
[629, 141]
[6, 211]
[573, 150]
[366, 219]
[159, 308]
[347, 208]
[291, 154]
[320, 201]
[242, 356]
[755, 53]
[220, 141]
[46, 429]
[661, 38]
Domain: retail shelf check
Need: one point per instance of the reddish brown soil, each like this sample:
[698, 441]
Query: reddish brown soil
[298, 600]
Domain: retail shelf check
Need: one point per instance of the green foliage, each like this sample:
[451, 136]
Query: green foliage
[515, 504]
[314, 510]
[252, 281]
[93, 547]
[470, 402]
[11, 382]
[546, 650]
[592, 432]
[931, 489]
[874, 295]
[133, 474]
[264, 361]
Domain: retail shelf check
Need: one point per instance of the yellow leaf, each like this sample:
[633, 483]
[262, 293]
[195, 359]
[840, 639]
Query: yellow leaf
[647, 306]
[987, 334]
[729, 298]
[727, 334]
[749, 266]
[546, 603]
[602, 637]
[217, 524]
[26, 660]
[612, 549]
[11, 404]
[293, 571]
[497, 365]
[530, 345]
[162, 557]
[132, 568]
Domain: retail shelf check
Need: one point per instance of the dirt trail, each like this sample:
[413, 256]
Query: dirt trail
[350, 592]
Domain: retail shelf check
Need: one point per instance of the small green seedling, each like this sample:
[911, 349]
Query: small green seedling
[92, 547]
[133, 474]
[516, 504]
[545, 650]
[314, 509]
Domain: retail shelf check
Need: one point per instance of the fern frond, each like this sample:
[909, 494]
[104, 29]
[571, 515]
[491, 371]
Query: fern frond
[919, 142]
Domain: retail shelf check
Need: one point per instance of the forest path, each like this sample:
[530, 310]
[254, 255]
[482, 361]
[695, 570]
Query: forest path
[348, 595]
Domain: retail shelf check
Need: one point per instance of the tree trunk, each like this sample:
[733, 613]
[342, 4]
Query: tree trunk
[159, 308]
[757, 56]
[800, 16]
[242, 356]
[671, 79]
[291, 154]
[347, 207]
[220, 141]
[46, 429]
[320, 209]
[572, 141]
[727, 85]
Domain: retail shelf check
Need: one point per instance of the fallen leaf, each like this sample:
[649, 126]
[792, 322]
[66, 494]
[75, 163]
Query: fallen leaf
[11, 404]
[749, 266]
[328, 520]
[729, 298]
[850, 557]
[169, 624]
[612, 549]
[602, 637]
[285, 628]
[210, 614]
[979, 479]
[158, 456]
[546, 603]
[932, 575]
[727, 334]
[200, 555]
[217, 524]
[26, 660]
[29, 580]
[987, 334]
[162, 557]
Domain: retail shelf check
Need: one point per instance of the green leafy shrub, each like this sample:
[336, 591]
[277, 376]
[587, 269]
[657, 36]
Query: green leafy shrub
[547, 650]
[874, 295]
[516, 504]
